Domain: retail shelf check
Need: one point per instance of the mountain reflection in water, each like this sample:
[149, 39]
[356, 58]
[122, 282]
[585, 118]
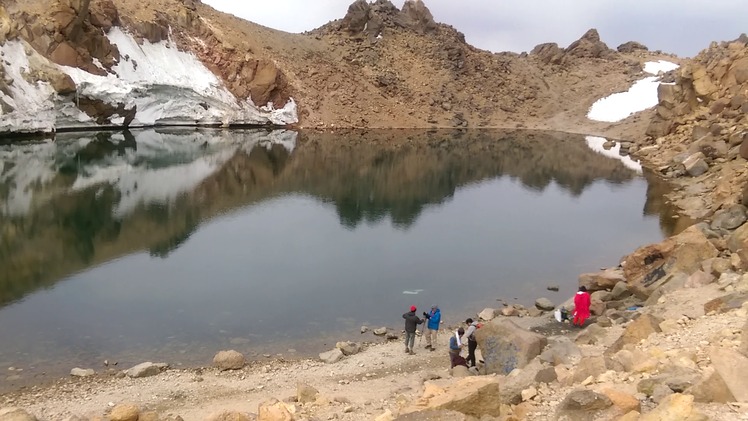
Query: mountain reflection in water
[70, 206]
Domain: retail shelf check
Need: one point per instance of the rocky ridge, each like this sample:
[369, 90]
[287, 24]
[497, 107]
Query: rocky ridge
[379, 66]
[697, 139]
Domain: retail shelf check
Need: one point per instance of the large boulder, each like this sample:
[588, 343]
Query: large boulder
[603, 280]
[711, 388]
[652, 266]
[731, 366]
[474, 396]
[583, 405]
[726, 303]
[730, 218]
[548, 53]
[561, 350]
[506, 346]
[674, 407]
[544, 304]
[229, 360]
[636, 331]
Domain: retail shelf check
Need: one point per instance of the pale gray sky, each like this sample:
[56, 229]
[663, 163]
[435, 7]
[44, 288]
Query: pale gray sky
[683, 27]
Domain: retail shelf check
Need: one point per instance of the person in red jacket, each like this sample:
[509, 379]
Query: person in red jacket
[581, 306]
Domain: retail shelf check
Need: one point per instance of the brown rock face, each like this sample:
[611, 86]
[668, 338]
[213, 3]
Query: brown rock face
[589, 46]
[102, 112]
[419, 16]
[357, 17]
[631, 46]
[549, 53]
[65, 55]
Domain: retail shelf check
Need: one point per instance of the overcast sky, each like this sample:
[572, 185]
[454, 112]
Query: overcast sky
[683, 27]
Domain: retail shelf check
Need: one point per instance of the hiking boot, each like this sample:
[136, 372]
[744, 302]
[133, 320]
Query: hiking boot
[407, 350]
[412, 353]
[432, 349]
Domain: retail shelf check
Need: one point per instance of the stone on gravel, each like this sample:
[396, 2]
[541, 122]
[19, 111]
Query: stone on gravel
[124, 412]
[82, 372]
[729, 219]
[306, 393]
[546, 375]
[145, 369]
[591, 335]
[231, 416]
[348, 348]
[487, 314]
[622, 400]
[529, 393]
[544, 304]
[506, 346]
[15, 414]
[581, 405]
[459, 371]
[331, 357]
[699, 279]
[272, 410]
[560, 351]
[675, 407]
[696, 164]
[639, 329]
[380, 331]
[475, 396]
[432, 415]
[229, 360]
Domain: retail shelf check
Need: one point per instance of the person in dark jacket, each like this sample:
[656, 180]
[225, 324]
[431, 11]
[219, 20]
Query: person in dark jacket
[470, 339]
[434, 317]
[411, 324]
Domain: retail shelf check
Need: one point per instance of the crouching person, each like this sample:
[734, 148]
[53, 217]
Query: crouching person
[455, 346]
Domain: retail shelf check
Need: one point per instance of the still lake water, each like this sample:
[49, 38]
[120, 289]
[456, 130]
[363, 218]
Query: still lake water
[172, 245]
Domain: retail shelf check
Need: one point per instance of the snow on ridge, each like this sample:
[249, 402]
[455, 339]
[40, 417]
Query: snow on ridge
[166, 85]
[655, 67]
[32, 103]
[596, 144]
[641, 96]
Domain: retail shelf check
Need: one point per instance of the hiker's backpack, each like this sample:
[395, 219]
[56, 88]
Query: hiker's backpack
[477, 326]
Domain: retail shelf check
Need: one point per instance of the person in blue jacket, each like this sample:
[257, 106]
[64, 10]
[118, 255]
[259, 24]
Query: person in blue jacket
[434, 317]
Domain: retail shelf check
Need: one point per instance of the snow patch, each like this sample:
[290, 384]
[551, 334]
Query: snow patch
[596, 144]
[641, 95]
[32, 103]
[655, 67]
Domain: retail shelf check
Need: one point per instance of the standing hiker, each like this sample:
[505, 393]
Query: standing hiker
[434, 317]
[470, 339]
[411, 324]
[581, 306]
[455, 345]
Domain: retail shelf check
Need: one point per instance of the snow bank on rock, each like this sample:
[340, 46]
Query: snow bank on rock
[596, 144]
[32, 103]
[166, 86]
[169, 86]
[641, 95]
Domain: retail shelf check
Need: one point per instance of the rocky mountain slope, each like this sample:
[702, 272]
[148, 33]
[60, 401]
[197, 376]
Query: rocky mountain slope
[697, 139]
[122, 62]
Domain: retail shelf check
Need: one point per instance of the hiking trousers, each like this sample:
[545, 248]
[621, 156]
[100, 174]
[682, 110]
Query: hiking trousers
[431, 337]
[472, 345]
[410, 340]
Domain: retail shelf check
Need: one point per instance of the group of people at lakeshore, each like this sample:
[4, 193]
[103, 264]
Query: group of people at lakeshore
[461, 337]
